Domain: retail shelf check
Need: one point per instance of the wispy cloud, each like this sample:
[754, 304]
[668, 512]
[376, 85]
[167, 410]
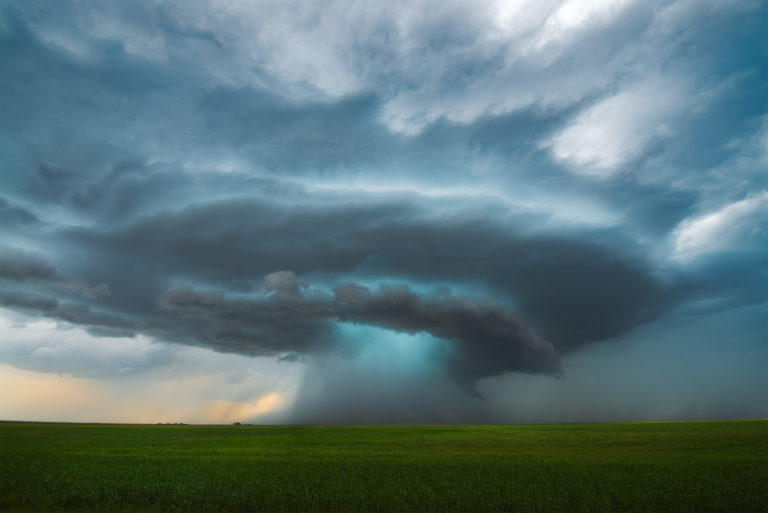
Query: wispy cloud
[735, 226]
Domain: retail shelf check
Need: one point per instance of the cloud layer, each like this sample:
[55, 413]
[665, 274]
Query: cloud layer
[485, 339]
[489, 189]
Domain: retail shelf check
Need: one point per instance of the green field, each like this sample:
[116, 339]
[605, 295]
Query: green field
[677, 466]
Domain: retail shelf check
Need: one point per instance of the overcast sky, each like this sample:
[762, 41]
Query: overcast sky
[336, 211]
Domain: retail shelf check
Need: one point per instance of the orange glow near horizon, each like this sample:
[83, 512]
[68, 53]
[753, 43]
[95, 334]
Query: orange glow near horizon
[232, 411]
[48, 397]
[39, 396]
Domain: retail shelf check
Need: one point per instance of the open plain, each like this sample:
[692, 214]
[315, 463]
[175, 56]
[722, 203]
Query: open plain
[670, 466]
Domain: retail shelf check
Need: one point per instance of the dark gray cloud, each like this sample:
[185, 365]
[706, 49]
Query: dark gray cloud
[282, 324]
[486, 338]
[110, 332]
[19, 265]
[84, 315]
[28, 301]
[489, 340]
[603, 290]
[97, 321]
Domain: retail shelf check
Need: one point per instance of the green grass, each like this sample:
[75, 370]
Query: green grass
[677, 466]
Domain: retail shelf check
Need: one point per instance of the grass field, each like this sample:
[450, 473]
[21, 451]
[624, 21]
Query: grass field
[680, 466]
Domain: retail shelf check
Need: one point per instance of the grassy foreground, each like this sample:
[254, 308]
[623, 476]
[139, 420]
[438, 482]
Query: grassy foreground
[678, 466]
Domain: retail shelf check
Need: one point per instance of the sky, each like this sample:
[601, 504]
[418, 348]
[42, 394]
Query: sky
[315, 211]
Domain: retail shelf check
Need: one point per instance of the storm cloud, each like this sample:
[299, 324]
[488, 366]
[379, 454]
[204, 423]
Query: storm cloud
[602, 291]
[19, 265]
[486, 339]
[414, 204]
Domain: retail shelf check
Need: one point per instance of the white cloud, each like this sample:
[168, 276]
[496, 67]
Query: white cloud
[613, 132]
[514, 18]
[721, 229]
[75, 46]
[559, 208]
[574, 16]
[426, 60]
[50, 346]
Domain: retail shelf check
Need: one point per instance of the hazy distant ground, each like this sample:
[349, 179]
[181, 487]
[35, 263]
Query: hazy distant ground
[682, 466]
